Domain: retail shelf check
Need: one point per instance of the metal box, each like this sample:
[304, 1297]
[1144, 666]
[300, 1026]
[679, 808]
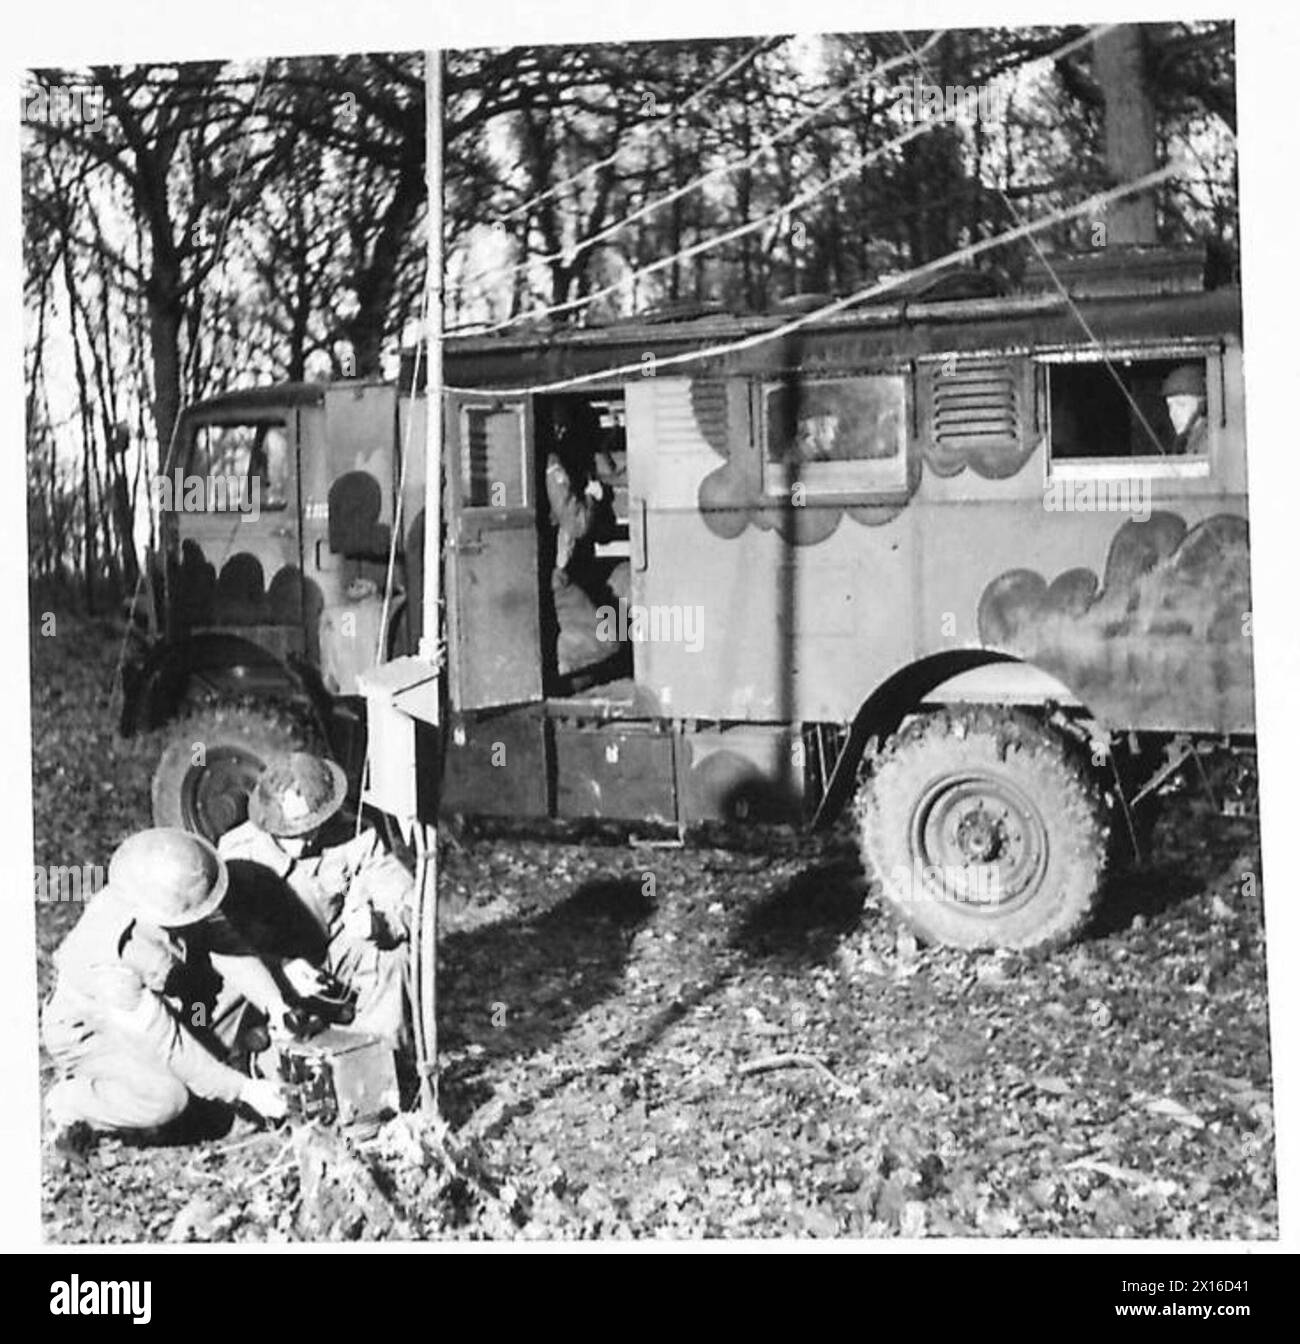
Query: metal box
[747, 773]
[495, 765]
[621, 772]
[339, 1077]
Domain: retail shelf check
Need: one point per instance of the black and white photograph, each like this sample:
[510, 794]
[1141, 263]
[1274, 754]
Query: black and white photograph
[648, 639]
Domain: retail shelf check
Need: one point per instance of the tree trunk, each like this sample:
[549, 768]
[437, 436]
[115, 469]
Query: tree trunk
[378, 283]
[164, 344]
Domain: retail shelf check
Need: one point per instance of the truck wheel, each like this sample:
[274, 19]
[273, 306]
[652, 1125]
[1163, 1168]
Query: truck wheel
[212, 761]
[983, 831]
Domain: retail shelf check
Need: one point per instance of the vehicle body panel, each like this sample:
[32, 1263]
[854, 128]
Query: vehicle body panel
[811, 580]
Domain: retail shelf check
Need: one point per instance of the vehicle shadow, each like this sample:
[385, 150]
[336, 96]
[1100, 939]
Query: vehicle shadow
[1147, 889]
[515, 988]
[803, 922]
[1187, 849]
[535, 977]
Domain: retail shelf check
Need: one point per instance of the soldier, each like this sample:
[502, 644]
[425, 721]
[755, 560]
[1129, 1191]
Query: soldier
[579, 494]
[1184, 392]
[129, 1054]
[358, 894]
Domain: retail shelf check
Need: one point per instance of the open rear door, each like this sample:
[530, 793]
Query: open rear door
[494, 596]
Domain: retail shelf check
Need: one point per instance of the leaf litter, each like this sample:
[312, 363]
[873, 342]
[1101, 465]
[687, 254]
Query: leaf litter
[754, 1049]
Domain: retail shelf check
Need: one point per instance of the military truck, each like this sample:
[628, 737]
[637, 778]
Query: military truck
[942, 563]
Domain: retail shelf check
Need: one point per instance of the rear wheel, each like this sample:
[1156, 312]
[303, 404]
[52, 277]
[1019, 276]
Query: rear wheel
[215, 755]
[983, 830]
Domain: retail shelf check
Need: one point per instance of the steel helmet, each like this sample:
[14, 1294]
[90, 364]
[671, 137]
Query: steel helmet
[1187, 380]
[297, 794]
[167, 876]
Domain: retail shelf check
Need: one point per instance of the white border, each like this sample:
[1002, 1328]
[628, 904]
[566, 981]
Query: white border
[1268, 49]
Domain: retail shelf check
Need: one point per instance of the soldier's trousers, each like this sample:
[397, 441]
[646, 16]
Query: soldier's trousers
[112, 1085]
[578, 643]
[379, 977]
[109, 1079]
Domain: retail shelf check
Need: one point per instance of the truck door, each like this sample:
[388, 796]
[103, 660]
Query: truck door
[494, 595]
[355, 476]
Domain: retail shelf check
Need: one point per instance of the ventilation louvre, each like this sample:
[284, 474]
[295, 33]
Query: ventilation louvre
[975, 404]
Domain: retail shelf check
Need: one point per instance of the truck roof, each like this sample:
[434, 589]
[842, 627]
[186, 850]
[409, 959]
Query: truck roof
[904, 329]
[267, 397]
[899, 330]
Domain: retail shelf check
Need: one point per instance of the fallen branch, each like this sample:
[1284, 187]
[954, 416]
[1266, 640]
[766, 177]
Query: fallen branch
[1108, 1169]
[766, 1063]
[281, 1162]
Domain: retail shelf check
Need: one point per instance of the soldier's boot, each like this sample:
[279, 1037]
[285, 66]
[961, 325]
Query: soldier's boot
[71, 1139]
[72, 1145]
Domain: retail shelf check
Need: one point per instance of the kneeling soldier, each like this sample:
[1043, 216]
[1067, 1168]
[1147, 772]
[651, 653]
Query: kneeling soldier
[129, 1054]
[358, 893]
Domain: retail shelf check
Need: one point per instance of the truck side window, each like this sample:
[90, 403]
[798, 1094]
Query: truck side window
[1131, 408]
[836, 436]
[230, 458]
[492, 458]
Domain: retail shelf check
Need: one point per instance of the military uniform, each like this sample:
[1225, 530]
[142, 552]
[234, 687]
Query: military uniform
[1187, 381]
[1194, 441]
[361, 897]
[115, 1025]
[577, 515]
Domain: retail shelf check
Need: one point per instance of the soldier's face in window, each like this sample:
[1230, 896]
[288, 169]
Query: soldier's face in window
[1183, 409]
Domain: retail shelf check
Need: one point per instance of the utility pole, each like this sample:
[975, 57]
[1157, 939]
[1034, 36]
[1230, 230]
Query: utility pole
[406, 689]
[1119, 59]
[425, 968]
[433, 339]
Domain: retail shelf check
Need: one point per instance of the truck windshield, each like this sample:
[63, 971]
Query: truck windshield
[241, 454]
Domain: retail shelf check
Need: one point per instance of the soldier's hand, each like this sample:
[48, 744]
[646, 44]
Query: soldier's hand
[279, 1027]
[357, 924]
[264, 1096]
[305, 980]
[302, 1025]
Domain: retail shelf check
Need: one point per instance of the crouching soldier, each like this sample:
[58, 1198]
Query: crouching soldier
[129, 1053]
[359, 895]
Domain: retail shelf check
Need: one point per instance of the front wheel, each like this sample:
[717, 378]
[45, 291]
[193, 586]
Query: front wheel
[983, 830]
[213, 760]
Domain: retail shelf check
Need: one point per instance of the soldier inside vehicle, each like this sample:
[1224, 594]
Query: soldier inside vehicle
[1128, 408]
[584, 536]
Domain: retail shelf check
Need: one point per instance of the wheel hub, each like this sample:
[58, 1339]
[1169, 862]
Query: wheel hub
[979, 840]
[979, 835]
[214, 795]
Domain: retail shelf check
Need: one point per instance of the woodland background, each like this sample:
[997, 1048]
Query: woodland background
[234, 224]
